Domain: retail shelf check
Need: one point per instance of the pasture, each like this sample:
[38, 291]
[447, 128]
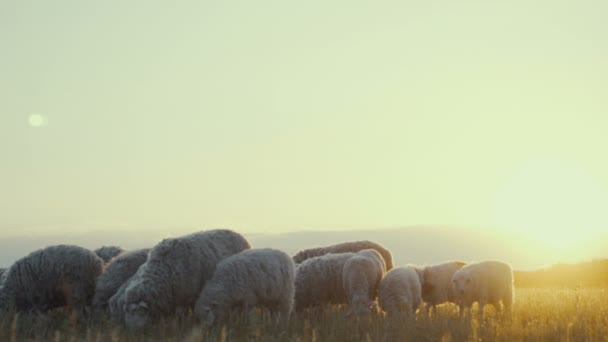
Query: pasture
[575, 314]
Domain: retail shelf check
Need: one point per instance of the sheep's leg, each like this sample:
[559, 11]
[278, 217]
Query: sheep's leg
[461, 309]
[481, 305]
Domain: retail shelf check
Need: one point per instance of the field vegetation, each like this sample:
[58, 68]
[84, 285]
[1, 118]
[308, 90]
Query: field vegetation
[565, 314]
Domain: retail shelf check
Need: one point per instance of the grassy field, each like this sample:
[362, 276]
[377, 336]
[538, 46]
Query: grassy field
[539, 315]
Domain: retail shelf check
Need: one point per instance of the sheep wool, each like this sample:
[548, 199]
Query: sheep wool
[106, 253]
[55, 276]
[319, 280]
[345, 247]
[361, 276]
[485, 282]
[175, 273]
[401, 291]
[437, 284]
[252, 278]
[116, 273]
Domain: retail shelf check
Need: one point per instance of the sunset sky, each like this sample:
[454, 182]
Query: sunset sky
[276, 116]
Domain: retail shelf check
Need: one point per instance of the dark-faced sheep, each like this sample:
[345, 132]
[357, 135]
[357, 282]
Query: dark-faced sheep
[345, 247]
[175, 273]
[253, 278]
[55, 276]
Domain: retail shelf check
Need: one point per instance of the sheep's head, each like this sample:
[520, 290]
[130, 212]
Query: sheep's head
[137, 315]
[361, 307]
[460, 283]
[205, 314]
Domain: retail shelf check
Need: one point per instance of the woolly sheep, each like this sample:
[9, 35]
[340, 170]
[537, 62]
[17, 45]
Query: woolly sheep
[345, 247]
[116, 273]
[175, 273]
[361, 276]
[253, 278]
[486, 282]
[55, 276]
[319, 280]
[401, 291]
[437, 284]
[106, 253]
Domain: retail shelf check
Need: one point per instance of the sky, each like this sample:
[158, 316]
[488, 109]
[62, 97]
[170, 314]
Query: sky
[278, 116]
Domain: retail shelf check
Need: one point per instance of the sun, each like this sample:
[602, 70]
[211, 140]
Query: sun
[557, 205]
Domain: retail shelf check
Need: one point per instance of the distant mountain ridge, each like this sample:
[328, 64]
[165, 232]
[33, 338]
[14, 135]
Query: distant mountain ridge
[414, 244]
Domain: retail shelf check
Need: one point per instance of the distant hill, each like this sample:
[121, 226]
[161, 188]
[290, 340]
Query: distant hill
[415, 244]
[587, 274]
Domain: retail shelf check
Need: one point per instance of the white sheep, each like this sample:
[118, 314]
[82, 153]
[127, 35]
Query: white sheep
[55, 276]
[486, 282]
[319, 281]
[253, 278]
[175, 273]
[106, 253]
[345, 247]
[437, 284]
[116, 273]
[361, 276]
[401, 291]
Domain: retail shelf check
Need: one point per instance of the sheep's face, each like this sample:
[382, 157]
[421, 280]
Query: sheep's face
[362, 307]
[137, 315]
[460, 283]
[206, 316]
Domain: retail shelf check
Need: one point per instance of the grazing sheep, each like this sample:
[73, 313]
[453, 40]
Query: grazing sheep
[55, 276]
[486, 282]
[361, 276]
[116, 273]
[319, 280]
[175, 273]
[253, 278]
[345, 247]
[106, 253]
[401, 291]
[437, 284]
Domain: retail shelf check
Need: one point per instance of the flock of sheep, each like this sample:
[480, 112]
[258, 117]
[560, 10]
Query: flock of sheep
[215, 273]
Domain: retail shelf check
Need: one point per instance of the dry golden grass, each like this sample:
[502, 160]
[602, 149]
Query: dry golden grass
[539, 315]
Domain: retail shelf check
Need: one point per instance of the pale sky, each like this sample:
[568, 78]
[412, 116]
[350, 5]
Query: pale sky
[274, 116]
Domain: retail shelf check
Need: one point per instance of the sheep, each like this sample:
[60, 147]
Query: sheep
[437, 284]
[174, 274]
[401, 291]
[361, 276]
[485, 282]
[55, 276]
[345, 247]
[257, 277]
[319, 280]
[106, 253]
[116, 273]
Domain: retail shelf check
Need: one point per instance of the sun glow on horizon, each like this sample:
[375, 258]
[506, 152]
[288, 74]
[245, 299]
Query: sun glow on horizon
[558, 205]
